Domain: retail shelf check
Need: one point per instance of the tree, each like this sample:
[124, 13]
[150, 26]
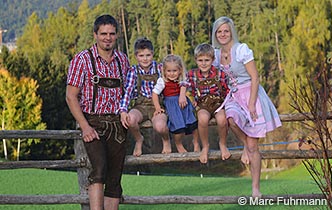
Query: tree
[307, 44]
[20, 108]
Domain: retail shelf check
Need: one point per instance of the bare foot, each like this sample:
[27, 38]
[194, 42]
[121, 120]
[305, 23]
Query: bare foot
[245, 157]
[138, 147]
[197, 147]
[203, 158]
[225, 154]
[256, 193]
[166, 147]
[180, 148]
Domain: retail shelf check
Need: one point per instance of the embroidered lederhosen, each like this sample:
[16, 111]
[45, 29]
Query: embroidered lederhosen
[106, 124]
[141, 103]
[146, 77]
[209, 102]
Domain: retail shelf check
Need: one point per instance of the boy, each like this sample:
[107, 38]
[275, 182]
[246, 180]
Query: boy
[209, 88]
[141, 79]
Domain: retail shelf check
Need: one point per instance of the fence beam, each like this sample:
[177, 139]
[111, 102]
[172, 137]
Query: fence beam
[81, 161]
[215, 155]
[163, 199]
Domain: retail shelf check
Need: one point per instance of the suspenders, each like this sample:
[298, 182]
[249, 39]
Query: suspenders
[102, 81]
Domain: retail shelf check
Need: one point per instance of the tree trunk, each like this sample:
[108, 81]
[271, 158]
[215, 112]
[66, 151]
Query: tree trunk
[18, 149]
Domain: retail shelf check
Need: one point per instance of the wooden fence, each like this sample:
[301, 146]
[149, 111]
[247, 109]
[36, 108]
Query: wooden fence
[81, 163]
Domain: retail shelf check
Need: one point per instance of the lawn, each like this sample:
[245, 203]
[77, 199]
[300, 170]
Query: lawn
[38, 181]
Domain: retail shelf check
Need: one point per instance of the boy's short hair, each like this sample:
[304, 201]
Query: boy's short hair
[204, 49]
[143, 43]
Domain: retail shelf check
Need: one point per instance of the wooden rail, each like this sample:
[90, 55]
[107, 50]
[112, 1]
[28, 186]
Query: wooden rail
[81, 163]
[164, 199]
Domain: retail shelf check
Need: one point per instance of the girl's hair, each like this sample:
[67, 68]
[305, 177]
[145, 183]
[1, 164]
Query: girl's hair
[179, 63]
[220, 21]
[204, 50]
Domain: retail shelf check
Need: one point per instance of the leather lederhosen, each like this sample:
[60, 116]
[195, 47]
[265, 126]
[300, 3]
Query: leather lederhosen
[209, 102]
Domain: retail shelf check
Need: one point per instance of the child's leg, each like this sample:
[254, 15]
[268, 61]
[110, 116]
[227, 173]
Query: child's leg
[222, 131]
[197, 147]
[159, 123]
[178, 142]
[203, 131]
[135, 117]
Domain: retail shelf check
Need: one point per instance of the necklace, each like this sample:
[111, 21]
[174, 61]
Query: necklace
[225, 56]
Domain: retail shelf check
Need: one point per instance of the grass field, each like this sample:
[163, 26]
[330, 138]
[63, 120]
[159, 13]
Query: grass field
[38, 181]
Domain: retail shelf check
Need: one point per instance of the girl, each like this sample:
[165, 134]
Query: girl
[180, 111]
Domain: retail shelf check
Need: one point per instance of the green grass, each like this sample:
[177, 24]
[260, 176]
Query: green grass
[37, 181]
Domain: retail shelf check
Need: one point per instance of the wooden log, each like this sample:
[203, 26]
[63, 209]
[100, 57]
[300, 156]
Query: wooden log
[215, 155]
[40, 134]
[161, 158]
[82, 173]
[42, 164]
[75, 134]
[163, 199]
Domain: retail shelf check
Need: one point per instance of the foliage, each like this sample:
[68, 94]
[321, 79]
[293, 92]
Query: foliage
[316, 98]
[20, 108]
[23, 9]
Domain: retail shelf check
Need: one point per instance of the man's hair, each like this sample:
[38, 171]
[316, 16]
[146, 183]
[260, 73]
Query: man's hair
[143, 43]
[105, 20]
[204, 50]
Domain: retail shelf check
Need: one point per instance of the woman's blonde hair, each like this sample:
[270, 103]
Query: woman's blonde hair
[220, 21]
[179, 63]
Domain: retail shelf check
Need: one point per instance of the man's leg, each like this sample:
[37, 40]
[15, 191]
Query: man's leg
[96, 196]
[111, 203]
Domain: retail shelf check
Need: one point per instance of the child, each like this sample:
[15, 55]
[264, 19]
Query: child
[141, 79]
[180, 111]
[208, 89]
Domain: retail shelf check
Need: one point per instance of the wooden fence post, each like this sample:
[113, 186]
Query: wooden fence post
[82, 172]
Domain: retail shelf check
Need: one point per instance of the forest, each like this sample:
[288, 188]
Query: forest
[14, 24]
[290, 40]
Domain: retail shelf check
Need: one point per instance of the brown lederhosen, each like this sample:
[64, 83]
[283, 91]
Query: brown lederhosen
[143, 104]
[106, 155]
[209, 102]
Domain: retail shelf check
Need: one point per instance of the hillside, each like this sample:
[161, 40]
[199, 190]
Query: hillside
[14, 13]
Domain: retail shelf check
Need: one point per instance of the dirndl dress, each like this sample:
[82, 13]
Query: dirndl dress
[180, 120]
[236, 107]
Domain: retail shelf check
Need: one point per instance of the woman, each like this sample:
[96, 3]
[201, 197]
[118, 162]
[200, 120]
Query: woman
[249, 111]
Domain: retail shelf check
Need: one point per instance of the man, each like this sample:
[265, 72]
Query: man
[94, 90]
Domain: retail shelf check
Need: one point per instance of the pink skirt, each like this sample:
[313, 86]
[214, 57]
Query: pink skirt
[236, 107]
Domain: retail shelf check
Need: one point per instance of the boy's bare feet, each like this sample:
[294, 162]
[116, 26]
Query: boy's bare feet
[166, 147]
[245, 157]
[197, 147]
[203, 158]
[138, 147]
[225, 154]
[180, 148]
